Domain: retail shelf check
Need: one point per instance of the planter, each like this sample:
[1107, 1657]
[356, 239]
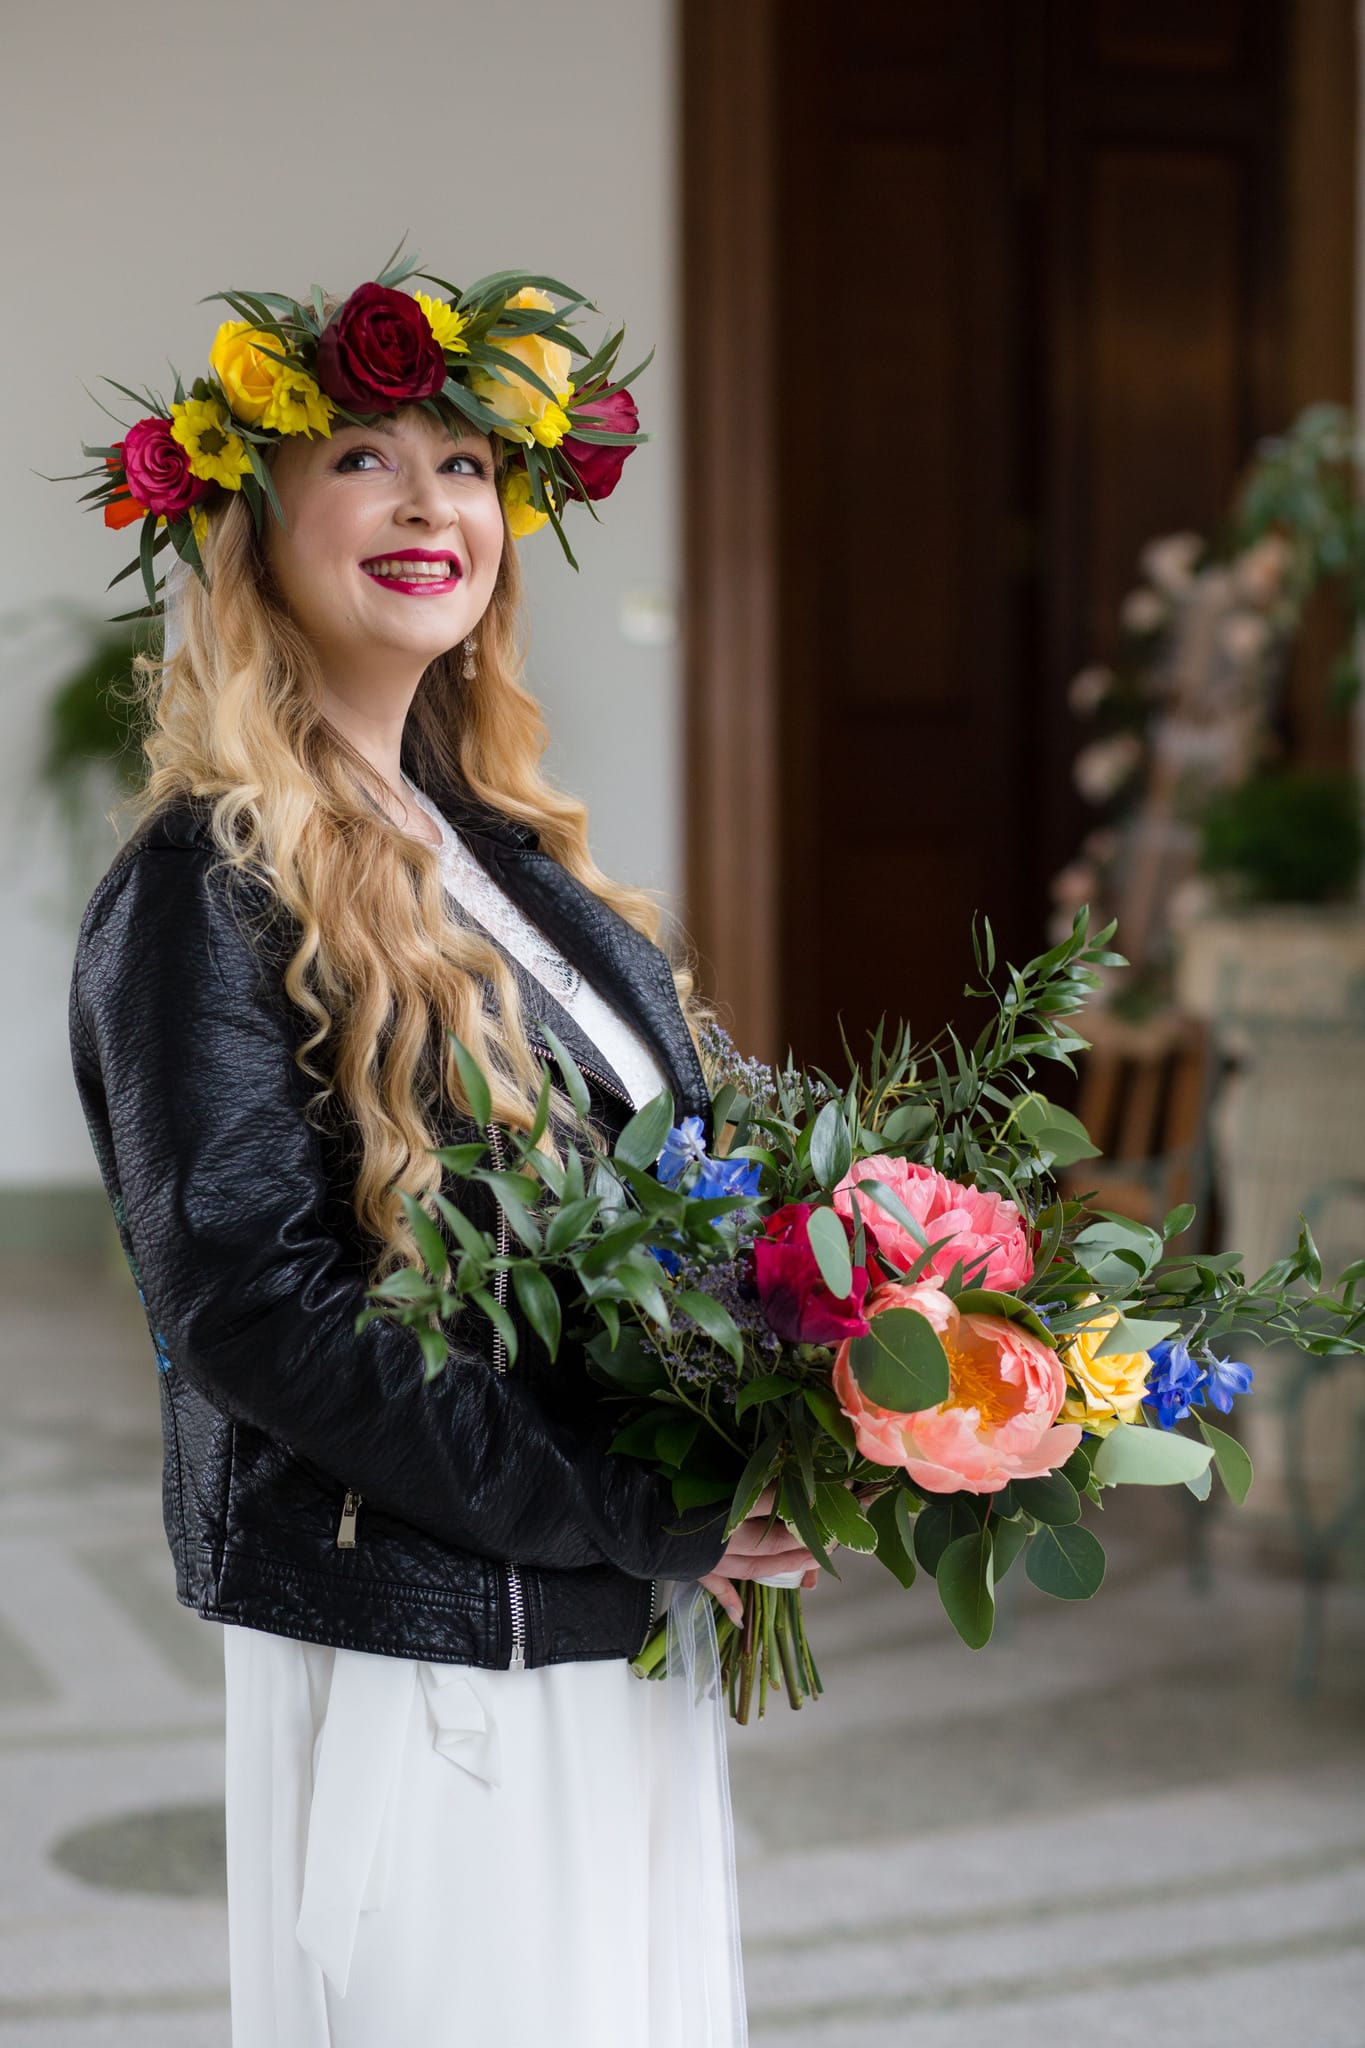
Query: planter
[1283, 990]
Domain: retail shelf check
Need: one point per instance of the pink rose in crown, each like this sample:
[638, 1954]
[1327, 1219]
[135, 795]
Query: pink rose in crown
[158, 470]
[998, 1423]
[977, 1223]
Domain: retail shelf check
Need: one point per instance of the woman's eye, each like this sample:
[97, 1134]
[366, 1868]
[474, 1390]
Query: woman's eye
[479, 467]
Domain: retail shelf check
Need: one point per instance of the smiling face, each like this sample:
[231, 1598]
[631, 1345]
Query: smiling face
[392, 543]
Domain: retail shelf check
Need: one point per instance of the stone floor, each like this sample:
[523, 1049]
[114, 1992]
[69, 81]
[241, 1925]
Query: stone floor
[1116, 1824]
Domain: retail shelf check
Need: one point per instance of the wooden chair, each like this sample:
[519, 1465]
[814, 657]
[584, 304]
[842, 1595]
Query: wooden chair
[1144, 1097]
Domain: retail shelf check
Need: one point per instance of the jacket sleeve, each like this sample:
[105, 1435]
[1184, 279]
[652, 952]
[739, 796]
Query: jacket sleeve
[223, 1189]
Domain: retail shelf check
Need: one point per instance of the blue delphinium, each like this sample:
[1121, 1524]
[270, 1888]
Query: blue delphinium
[1226, 1379]
[685, 1144]
[1175, 1383]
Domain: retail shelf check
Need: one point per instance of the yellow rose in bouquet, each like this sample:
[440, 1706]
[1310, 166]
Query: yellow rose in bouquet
[1101, 1391]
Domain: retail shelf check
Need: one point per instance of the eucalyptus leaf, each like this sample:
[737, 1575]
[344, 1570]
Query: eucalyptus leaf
[901, 1363]
[1051, 1498]
[1134, 1455]
[1067, 1563]
[1055, 1131]
[829, 1242]
[966, 1586]
[1009, 1539]
[831, 1151]
[1231, 1458]
[940, 1523]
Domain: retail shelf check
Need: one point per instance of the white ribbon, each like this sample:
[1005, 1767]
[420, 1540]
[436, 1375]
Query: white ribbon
[351, 1819]
[701, 1864]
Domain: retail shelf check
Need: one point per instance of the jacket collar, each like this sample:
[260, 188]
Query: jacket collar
[629, 970]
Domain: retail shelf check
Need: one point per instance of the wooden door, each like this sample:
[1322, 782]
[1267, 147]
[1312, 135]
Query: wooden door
[980, 294]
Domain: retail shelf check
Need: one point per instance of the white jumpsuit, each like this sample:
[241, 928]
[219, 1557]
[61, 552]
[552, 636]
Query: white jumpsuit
[426, 1855]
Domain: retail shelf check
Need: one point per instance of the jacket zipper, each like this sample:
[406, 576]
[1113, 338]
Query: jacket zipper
[346, 1526]
[516, 1596]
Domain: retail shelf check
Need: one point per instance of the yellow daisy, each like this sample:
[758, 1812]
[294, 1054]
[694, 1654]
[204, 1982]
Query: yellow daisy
[298, 406]
[201, 427]
[445, 323]
[551, 427]
[199, 524]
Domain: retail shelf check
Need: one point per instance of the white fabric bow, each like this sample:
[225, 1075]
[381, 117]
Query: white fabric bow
[350, 1844]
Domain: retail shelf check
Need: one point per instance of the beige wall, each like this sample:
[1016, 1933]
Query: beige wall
[152, 152]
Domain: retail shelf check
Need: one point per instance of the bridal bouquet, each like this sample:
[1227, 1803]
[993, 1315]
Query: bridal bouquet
[870, 1297]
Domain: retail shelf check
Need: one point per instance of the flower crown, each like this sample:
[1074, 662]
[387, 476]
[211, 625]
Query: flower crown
[496, 356]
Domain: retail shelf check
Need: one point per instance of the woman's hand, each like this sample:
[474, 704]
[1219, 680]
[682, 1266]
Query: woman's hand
[757, 1552]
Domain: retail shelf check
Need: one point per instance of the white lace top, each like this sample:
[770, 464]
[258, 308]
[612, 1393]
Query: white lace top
[469, 882]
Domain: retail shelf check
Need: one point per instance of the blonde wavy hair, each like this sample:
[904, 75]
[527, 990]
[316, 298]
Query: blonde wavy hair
[381, 969]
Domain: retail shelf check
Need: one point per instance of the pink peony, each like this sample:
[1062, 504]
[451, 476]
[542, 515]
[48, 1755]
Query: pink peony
[158, 470]
[977, 1222]
[999, 1420]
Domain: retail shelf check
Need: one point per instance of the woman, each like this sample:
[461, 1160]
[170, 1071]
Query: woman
[453, 1814]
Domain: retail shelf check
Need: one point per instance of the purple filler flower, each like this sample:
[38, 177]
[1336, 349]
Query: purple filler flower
[1226, 1379]
[1175, 1382]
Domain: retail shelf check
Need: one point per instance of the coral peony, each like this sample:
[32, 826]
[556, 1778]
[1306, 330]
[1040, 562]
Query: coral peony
[976, 1222]
[999, 1420]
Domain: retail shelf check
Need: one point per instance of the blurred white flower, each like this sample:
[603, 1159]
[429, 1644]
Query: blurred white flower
[1102, 844]
[1244, 636]
[1076, 884]
[1143, 611]
[1260, 572]
[1088, 690]
[1188, 900]
[1169, 561]
[1103, 767]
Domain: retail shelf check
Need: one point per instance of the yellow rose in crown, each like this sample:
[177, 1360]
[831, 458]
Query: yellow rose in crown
[520, 404]
[1101, 1391]
[247, 375]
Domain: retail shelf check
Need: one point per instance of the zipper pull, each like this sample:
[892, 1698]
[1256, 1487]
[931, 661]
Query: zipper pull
[518, 1660]
[346, 1526]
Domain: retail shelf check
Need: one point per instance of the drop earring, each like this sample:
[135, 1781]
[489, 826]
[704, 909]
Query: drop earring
[470, 668]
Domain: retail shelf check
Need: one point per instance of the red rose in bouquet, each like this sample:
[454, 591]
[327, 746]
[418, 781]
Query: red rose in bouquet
[798, 1305]
[378, 352]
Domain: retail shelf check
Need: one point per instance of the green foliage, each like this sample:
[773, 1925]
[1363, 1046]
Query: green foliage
[1289, 835]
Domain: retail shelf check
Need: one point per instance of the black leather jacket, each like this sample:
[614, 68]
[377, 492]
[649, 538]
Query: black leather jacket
[314, 1485]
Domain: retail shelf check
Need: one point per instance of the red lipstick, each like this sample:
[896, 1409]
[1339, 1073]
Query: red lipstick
[425, 584]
